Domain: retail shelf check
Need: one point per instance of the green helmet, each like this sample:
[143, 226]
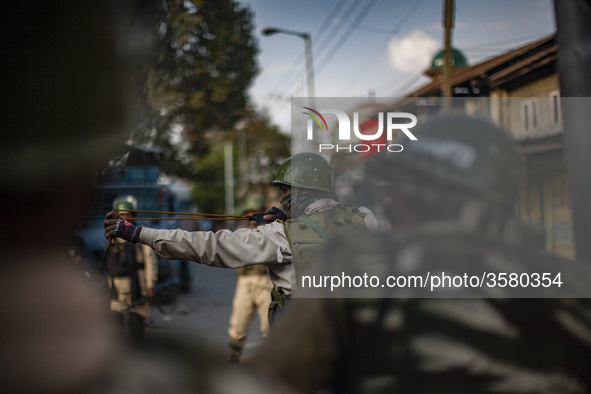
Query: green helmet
[125, 203]
[468, 152]
[308, 170]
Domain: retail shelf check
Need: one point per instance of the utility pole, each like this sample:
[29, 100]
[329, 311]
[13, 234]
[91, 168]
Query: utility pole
[268, 31]
[229, 179]
[448, 24]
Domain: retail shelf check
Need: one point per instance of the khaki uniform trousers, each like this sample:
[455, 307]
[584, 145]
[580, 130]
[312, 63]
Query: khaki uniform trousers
[123, 301]
[253, 295]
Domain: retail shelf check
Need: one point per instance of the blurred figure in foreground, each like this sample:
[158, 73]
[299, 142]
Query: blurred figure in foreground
[449, 199]
[64, 112]
[251, 296]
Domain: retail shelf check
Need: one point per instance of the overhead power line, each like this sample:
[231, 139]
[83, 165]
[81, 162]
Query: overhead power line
[323, 44]
[296, 66]
[380, 48]
[346, 35]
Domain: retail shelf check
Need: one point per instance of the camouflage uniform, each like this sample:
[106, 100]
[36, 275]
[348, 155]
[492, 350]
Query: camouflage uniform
[461, 344]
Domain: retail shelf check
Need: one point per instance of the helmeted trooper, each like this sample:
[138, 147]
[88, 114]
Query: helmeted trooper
[132, 275]
[314, 213]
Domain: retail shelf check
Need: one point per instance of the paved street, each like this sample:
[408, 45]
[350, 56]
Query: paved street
[204, 313]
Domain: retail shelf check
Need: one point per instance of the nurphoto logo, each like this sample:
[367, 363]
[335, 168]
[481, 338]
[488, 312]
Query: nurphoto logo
[402, 121]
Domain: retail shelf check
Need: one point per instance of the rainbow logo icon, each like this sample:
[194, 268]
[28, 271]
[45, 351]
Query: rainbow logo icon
[313, 116]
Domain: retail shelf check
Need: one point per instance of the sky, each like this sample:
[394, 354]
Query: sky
[380, 47]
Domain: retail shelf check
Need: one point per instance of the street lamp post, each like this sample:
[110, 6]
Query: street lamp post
[448, 24]
[297, 144]
[268, 31]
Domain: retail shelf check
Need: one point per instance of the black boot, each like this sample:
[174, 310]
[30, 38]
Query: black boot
[235, 351]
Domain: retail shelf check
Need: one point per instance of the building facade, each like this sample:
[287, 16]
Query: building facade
[520, 91]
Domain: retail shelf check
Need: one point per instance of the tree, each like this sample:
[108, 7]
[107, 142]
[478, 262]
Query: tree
[266, 148]
[193, 93]
[202, 64]
[208, 191]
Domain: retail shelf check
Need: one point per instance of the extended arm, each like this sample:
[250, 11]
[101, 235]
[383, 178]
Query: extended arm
[231, 249]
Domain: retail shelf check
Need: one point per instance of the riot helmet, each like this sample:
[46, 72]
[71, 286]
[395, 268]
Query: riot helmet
[307, 170]
[124, 204]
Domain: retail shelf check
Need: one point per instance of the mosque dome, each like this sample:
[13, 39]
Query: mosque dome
[458, 61]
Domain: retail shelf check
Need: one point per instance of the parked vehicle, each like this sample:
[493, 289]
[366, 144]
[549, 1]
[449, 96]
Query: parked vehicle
[140, 175]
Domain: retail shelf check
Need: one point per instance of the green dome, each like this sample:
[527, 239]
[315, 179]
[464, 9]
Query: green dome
[458, 59]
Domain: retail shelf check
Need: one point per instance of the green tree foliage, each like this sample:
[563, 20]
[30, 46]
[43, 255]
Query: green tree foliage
[196, 81]
[193, 93]
[266, 148]
[258, 150]
[208, 191]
